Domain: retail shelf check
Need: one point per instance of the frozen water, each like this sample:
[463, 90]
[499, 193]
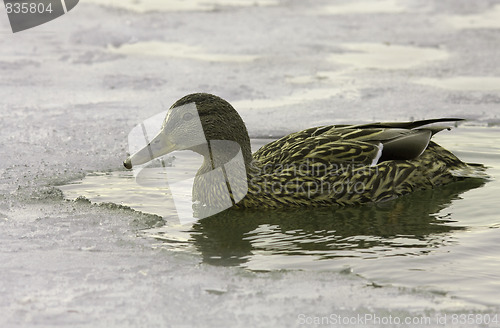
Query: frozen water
[179, 5]
[487, 19]
[73, 88]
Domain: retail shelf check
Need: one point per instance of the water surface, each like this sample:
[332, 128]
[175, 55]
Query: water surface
[443, 240]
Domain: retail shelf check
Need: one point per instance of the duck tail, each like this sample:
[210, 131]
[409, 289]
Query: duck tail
[434, 129]
[417, 124]
[470, 170]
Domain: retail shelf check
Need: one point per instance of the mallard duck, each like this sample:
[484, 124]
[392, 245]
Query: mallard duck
[320, 166]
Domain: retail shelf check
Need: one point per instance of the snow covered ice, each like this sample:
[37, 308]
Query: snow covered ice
[72, 89]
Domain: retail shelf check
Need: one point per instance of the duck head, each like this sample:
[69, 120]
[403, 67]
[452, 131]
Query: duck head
[198, 122]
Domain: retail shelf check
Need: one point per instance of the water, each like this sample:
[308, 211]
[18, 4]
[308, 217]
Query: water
[443, 240]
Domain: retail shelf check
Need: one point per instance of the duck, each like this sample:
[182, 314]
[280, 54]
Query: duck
[334, 165]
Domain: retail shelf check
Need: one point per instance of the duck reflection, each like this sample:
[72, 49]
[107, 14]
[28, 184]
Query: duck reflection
[414, 221]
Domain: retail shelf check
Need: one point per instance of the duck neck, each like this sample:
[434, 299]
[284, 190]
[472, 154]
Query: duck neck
[217, 153]
[222, 180]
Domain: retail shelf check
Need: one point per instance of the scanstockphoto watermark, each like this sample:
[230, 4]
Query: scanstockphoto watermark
[318, 169]
[153, 140]
[370, 319]
[25, 14]
[223, 180]
[307, 188]
[311, 178]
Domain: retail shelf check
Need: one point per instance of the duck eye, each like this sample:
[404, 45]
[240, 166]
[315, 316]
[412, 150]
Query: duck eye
[187, 116]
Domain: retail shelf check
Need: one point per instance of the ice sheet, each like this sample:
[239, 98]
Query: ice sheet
[69, 99]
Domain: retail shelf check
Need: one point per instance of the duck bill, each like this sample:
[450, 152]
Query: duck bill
[159, 146]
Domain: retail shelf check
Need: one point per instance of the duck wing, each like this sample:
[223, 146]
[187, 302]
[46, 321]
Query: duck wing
[367, 144]
[399, 140]
[317, 145]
